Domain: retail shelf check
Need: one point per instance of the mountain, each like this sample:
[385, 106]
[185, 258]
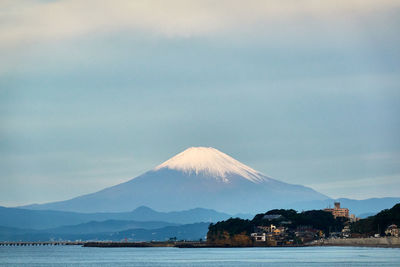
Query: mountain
[197, 177]
[45, 219]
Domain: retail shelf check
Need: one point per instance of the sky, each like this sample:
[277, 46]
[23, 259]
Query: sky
[94, 93]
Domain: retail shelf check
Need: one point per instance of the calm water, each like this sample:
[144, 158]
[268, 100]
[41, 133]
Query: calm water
[310, 256]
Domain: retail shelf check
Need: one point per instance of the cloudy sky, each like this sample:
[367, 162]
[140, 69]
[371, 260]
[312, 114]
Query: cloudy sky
[95, 92]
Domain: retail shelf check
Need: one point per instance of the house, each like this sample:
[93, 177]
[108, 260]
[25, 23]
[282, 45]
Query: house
[272, 235]
[267, 229]
[353, 218]
[279, 231]
[392, 230]
[346, 231]
[259, 237]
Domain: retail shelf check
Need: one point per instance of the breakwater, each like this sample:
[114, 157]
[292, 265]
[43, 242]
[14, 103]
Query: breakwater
[106, 244]
[178, 244]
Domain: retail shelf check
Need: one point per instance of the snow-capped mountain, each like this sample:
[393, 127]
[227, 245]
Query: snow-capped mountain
[197, 177]
[210, 162]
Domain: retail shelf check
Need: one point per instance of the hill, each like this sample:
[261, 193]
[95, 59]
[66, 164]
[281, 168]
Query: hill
[378, 223]
[236, 232]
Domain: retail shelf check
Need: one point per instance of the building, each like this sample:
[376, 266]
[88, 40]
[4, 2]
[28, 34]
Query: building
[337, 211]
[279, 230]
[270, 234]
[392, 230]
[353, 218]
[259, 237]
[346, 232]
[267, 229]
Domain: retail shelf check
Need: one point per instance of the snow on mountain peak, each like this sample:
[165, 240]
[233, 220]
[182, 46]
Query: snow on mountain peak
[210, 162]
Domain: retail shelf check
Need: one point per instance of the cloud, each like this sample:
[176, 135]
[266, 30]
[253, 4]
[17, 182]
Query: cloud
[389, 180]
[307, 83]
[23, 22]
[379, 186]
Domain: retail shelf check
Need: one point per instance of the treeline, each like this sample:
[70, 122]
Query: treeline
[317, 219]
[377, 224]
[232, 232]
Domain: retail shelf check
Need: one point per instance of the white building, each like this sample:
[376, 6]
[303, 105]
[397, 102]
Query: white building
[259, 237]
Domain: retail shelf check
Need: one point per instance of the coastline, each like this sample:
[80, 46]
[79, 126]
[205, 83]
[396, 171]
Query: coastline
[381, 242]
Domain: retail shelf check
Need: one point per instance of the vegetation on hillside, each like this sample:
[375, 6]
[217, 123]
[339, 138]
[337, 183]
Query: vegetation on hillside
[317, 219]
[377, 224]
[232, 232]
[236, 232]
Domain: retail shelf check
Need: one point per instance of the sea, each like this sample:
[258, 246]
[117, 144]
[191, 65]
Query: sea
[168, 256]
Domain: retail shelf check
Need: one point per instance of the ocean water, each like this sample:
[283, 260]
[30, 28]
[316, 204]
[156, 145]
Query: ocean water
[301, 256]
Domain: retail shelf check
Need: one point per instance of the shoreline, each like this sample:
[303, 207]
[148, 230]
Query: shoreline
[383, 242]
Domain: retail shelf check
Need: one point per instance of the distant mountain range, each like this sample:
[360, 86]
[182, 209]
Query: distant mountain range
[141, 224]
[194, 231]
[107, 226]
[46, 219]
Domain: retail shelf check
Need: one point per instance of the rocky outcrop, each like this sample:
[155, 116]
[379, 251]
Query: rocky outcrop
[224, 239]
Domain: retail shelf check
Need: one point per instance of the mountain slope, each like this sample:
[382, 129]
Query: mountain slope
[197, 177]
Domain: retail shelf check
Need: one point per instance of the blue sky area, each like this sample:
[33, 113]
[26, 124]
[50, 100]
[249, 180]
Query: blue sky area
[94, 93]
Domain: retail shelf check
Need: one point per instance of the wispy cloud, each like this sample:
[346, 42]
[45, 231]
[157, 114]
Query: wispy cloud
[32, 21]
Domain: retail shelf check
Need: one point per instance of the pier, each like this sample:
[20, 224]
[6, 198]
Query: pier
[44, 243]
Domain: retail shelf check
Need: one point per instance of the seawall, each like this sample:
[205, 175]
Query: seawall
[389, 242]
